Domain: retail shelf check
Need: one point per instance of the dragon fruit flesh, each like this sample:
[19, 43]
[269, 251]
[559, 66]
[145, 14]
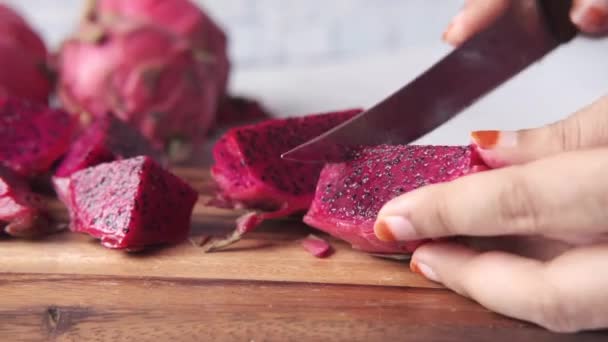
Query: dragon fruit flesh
[250, 172]
[349, 195]
[131, 204]
[23, 57]
[32, 136]
[106, 139]
[132, 58]
[22, 213]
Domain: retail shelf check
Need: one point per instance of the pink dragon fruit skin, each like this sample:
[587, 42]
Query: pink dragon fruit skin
[183, 18]
[33, 136]
[23, 58]
[131, 204]
[148, 75]
[22, 213]
[250, 172]
[106, 139]
[349, 195]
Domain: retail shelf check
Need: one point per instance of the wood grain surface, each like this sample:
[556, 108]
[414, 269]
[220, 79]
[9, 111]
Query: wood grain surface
[265, 288]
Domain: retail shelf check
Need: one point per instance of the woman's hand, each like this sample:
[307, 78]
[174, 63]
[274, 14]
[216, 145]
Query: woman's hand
[591, 17]
[550, 182]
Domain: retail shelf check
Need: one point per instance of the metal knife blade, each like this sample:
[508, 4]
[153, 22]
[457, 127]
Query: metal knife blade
[527, 32]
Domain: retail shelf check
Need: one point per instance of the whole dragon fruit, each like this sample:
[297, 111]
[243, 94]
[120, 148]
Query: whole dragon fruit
[106, 139]
[23, 57]
[181, 17]
[349, 195]
[250, 172]
[22, 213]
[33, 136]
[139, 60]
[131, 204]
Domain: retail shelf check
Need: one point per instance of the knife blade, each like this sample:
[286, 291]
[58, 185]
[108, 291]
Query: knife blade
[523, 35]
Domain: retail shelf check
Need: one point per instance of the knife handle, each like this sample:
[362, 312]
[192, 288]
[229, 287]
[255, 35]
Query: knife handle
[557, 14]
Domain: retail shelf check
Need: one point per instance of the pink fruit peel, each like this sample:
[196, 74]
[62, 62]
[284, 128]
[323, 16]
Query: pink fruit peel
[317, 247]
[23, 56]
[137, 60]
[23, 213]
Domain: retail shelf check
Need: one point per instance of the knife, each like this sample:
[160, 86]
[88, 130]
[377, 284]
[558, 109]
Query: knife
[524, 34]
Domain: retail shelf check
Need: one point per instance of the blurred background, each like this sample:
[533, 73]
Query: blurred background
[301, 56]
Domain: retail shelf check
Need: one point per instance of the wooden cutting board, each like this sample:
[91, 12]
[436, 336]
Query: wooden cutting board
[266, 287]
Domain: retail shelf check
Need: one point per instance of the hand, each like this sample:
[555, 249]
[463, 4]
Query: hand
[549, 182]
[591, 17]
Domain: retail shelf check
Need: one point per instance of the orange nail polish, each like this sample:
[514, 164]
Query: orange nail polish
[486, 139]
[383, 232]
[447, 32]
[414, 267]
[596, 18]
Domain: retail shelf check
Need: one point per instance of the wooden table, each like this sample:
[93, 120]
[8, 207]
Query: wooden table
[266, 288]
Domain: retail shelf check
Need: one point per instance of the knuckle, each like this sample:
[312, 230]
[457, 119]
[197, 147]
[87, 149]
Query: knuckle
[517, 208]
[442, 218]
[568, 133]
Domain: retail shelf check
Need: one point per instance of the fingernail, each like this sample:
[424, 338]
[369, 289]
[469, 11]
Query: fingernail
[454, 33]
[395, 228]
[491, 139]
[591, 16]
[424, 270]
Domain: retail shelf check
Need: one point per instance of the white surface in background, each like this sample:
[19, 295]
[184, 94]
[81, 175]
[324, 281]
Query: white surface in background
[571, 78]
[303, 56]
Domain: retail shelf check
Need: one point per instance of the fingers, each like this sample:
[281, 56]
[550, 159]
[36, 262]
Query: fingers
[584, 129]
[591, 16]
[565, 295]
[474, 17]
[564, 195]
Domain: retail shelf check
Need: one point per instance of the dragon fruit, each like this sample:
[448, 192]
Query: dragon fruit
[23, 57]
[22, 213]
[131, 204]
[317, 246]
[250, 173]
[32, 136]
[106, 139]
[181, 17]
[349, 195]
[145, 61]
[234, 110]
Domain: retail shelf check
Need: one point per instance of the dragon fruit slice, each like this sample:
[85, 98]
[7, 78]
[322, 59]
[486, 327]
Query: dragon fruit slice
[235, 110]
[317, 246]
[23, 58]
[148, 75]
[22, 213]
[250, 173]
[131, 204]
[106, 139]
[350, 195]
[32, 136]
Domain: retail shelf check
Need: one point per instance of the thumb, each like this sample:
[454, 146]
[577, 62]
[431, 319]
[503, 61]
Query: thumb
[586, 128]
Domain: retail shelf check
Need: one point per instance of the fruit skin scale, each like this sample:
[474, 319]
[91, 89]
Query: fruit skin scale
[161, 66]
